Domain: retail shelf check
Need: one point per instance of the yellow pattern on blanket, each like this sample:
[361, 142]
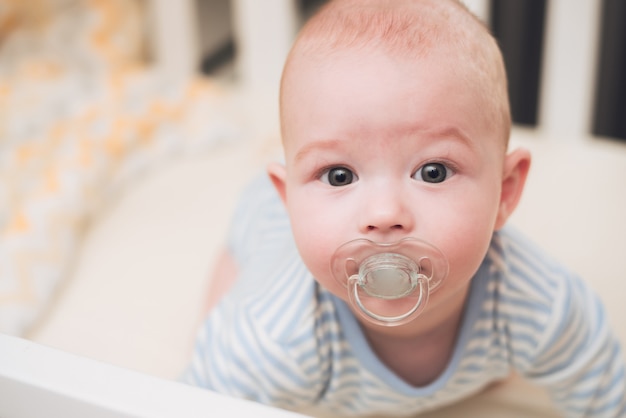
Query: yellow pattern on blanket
[80, 115]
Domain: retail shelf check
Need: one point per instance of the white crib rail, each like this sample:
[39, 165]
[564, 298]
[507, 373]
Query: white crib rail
[38, 381]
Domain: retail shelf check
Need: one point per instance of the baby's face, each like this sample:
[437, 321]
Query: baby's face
[383, 149]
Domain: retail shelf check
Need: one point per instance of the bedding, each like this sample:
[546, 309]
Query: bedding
[82, 114]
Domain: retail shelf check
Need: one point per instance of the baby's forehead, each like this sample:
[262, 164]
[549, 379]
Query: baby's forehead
[410, 30]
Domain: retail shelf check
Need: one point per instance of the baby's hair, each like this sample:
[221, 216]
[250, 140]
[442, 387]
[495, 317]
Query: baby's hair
[413, 29]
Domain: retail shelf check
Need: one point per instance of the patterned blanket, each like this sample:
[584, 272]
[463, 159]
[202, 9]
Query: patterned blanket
[81, 114]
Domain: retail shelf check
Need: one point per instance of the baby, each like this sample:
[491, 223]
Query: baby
[390, 285]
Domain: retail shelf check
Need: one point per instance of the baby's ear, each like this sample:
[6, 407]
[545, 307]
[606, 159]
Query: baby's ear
[516, 166]
[278, 174]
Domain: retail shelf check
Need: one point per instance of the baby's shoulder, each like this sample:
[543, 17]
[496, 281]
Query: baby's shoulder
[522, 270]
[535, 301]
[270, 335]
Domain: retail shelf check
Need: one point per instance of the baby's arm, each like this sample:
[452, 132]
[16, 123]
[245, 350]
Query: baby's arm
[583, 366]
[244, 239]
[238, 350]
[222, 278]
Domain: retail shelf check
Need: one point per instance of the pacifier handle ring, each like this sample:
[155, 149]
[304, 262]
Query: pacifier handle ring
[389, 319]
[432, 284]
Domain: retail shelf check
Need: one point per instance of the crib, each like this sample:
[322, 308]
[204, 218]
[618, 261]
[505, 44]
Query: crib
[113, 204]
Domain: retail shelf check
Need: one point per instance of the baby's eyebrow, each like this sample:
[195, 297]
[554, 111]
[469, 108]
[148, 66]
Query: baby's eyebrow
[325, 144]
[447, 132]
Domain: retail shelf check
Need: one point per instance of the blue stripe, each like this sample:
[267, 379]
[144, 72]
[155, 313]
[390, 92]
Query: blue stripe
[260, 356]
[527, 322]
[522, 277]
[533, 307]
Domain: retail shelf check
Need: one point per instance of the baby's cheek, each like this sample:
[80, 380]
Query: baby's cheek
[316, 248]
[307, 237]
[466, 252]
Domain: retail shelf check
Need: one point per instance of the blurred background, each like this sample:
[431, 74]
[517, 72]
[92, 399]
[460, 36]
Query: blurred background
[566, 60]
[128, 128]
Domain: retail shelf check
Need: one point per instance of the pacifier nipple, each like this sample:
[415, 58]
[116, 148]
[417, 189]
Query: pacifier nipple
[389, 284]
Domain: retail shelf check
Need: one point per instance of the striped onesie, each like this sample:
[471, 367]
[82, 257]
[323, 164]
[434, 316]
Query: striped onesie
[281, 339]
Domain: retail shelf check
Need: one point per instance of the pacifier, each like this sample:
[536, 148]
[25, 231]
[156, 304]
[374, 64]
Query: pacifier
[389, 283]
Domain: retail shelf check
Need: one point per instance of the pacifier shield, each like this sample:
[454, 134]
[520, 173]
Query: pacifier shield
[388, 275]
[389, 283]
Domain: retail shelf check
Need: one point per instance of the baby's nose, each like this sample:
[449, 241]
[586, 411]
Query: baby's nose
[387, 211]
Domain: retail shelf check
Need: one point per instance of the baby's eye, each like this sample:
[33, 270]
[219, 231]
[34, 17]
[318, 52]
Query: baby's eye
[433, 173]
[338, 176]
